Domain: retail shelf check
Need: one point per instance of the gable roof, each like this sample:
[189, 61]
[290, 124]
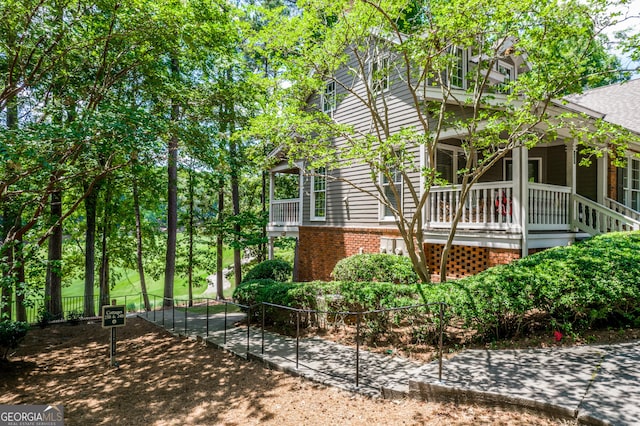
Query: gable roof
[620, 103]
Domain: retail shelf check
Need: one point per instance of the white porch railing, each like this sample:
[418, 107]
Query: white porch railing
[488, 206]
[595, 218]
[622, 209]
[285, 212]
[549, 207]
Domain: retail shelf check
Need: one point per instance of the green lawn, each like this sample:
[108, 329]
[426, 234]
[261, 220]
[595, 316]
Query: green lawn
[128, 283]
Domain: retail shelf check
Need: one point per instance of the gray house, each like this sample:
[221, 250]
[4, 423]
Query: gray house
[532, 199]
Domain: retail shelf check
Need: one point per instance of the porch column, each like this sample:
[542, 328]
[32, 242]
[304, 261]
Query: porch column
[572, 156]
[270, 249]
[602, 171]
[301, 195]
[521, 195]
[272, 185]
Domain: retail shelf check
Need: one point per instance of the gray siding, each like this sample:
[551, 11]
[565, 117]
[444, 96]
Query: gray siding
[347, 206]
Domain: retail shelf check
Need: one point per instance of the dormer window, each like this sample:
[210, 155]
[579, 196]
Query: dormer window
[329, 98]
[380, 74]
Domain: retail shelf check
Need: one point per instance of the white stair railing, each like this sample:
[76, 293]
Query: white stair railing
[622, 209]
[594, 218]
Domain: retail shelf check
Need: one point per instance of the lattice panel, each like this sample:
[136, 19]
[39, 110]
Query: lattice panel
[463, 260]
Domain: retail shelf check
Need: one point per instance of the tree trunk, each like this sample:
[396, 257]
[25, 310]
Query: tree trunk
[262, 252]
[6, 254]
[21, 310]
[9, 251]
[53, 282]
[136, 208]
[90, 208]
[104, 258]
[235, 199]
[172, 199]
[219, 245]
[190, 260]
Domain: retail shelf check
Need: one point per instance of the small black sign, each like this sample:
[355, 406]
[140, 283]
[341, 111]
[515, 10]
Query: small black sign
[113, 316]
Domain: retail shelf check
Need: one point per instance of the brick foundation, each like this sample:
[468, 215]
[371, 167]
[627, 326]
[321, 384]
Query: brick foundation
[320, 248]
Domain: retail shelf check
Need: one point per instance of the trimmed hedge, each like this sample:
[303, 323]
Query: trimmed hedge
[354, 296]
[275, 269]
[589, 284]
[378, 267]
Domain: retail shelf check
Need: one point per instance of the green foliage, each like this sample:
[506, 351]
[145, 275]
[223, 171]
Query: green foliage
[44, 317]
[589, 284]
[376, 267]
[275, 269]
[73, 317]
[11, 334]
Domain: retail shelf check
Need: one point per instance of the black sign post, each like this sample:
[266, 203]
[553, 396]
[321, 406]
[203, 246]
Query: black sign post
[113, 316]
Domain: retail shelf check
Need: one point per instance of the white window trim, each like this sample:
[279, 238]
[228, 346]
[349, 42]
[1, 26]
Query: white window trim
[464, 69]
[455, 151]
[332, 103]
[376, 62]
[382, 206]
[511, 68]
[628, 191]
[312, 199]
[504, 167]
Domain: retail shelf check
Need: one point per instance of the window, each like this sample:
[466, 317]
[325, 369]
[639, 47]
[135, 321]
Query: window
[507, 72]
[388, 187]
[458, 69]
[319, 194]
[329, 98]
[380, 74]
[631, 184]
[533, 172]
[449, 160]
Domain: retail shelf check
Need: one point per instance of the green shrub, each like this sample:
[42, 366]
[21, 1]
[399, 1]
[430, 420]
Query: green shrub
[592, 283]
[275, 269]
[11, 334]
[73, 317]
[376, 267]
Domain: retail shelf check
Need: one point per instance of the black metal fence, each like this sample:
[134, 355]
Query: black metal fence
[423, 321]
[74, 306]
[417, 322]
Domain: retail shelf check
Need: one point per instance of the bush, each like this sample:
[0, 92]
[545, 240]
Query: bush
[592, 283]
[73, 317]
[376, 267]
[275, 269]
[11, 334]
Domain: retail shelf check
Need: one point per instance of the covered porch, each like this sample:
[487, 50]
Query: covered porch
[285, 202]
[541, 201]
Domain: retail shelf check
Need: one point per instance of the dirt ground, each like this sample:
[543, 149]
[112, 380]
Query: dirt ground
[166, 380]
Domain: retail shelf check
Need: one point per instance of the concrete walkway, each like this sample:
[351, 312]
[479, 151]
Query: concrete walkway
[593, 384]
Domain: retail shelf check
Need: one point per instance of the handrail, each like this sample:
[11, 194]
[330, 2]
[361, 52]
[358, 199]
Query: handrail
[479, 185]
[285, 201]
[594, 218]
[549, 187]
[621, 208]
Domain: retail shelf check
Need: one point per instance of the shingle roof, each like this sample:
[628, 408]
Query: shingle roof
[619, 102]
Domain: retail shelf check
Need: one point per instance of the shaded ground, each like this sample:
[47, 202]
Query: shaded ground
[164, 380]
